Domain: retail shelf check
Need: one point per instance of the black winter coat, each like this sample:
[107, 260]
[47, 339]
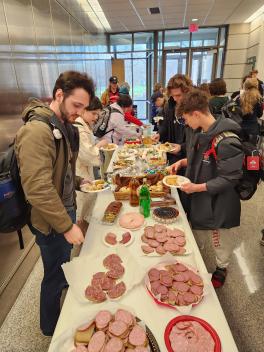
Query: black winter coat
[172, 129]
[219, 206]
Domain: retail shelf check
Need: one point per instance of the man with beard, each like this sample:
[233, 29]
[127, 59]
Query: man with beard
[46, 148]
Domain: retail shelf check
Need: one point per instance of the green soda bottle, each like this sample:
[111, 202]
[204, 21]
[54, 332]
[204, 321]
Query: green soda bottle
[144, 199]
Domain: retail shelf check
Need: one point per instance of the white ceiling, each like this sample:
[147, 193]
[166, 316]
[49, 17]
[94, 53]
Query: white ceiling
[133, 15]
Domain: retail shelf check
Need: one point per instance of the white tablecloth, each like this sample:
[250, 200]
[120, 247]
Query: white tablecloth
[156, 317]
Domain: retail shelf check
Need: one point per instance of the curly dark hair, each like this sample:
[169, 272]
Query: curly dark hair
[217, 87]
[179, 81]
[95, 104]
[195, 100]
[70, 80]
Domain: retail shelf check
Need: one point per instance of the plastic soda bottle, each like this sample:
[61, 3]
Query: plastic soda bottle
[144, 199]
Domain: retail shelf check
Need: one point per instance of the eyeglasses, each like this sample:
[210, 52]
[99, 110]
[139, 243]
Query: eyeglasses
[180, 120]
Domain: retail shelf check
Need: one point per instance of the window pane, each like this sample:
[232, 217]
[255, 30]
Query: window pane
[202, 66]
[222, 36]
[121, 42]
[219, 63]
[141, 109]
[143, 41]
[160, 41]
[175, 63]
[159, 68]
[177, 38]
[95, 43]
[205, 37]
[139, 79]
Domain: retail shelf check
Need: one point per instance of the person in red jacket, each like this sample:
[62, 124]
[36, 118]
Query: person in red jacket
[130, 118]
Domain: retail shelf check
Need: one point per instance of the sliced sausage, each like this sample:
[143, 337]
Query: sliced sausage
[102, 319]
[137, 336]
[97, 342]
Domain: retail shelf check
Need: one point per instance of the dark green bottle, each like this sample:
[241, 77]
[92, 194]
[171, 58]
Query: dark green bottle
[144, 199]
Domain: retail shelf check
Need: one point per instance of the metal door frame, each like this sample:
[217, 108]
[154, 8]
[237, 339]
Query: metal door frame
[164, 61]
[214, 65]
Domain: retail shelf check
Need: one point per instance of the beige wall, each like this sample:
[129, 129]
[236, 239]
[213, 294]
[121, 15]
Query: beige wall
[244, 40]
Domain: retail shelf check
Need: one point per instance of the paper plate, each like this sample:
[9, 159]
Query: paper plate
[204, 324]
[85, 188]
[112, 146]
[119, 238]
[181, 180]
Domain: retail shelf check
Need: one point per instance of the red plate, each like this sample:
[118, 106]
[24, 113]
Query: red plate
[204, 324]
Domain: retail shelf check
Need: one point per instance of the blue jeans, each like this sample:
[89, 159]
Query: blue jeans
[55, 251]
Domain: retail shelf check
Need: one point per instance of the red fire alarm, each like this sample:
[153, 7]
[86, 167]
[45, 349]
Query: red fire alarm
[193, 27]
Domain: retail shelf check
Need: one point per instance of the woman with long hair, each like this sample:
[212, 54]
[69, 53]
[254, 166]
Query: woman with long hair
[250, 101]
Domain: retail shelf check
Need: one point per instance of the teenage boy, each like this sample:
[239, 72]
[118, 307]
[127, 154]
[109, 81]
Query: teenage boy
[214, 166]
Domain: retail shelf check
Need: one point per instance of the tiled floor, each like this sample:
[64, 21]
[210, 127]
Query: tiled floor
[242, 296]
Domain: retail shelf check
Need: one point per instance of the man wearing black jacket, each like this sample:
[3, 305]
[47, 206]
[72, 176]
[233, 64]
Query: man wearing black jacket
[172, 128]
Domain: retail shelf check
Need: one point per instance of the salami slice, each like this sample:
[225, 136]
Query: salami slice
[166, 281]
[153, 274]
[171, 247]
[117, 291]
[111, 260]
[161, 238]
[179, 277]
[147, 249]
[107, 283]
[114, 345]
[153, 243]
[97, 342]
[110, 238]
[144, 239]
[160, 250]
[163, 290]
[116, 271]
[126, 237]
[137, 336]
[196, 290]
[102, 319]
[195, 278]
[189, 297]
[125, 316]
[86, 326]
[180, 286]
[149, 232]
[99, 275]
[118, 328]
[178, 267]
[95, 294]
[180, 241]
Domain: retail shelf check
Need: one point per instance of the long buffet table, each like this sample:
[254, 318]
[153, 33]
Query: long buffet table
[156, 317]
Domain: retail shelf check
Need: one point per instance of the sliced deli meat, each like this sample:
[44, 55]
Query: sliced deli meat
[102, 319]
[137, 336]
[117, 291]
[97, 342]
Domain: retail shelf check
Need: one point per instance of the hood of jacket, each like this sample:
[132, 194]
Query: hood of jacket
[117, 107]
[36, 107]
[220, 125]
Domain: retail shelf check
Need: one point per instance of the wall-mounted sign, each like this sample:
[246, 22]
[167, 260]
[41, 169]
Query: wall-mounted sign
[193, 27]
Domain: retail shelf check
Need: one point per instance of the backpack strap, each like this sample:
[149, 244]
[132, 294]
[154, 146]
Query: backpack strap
[216, 140]
[51, 125]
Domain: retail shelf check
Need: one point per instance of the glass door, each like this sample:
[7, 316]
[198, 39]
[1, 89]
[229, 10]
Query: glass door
[175, 62]
[202, 66]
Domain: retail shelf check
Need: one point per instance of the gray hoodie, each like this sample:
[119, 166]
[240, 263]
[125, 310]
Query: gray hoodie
[219, 206]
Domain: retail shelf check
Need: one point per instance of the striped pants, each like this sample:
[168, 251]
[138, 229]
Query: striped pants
[223, 242]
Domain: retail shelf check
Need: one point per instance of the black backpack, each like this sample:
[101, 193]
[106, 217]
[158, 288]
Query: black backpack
[233, 111]
[14, 208]
[248, 184]
[101, 125]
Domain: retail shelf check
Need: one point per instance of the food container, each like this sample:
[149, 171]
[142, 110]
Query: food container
[204, 324]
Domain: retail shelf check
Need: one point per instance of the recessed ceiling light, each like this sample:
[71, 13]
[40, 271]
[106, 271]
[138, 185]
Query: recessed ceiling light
[194, 19]
[182, 32]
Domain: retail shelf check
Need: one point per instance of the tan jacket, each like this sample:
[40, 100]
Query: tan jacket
[43, 170]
